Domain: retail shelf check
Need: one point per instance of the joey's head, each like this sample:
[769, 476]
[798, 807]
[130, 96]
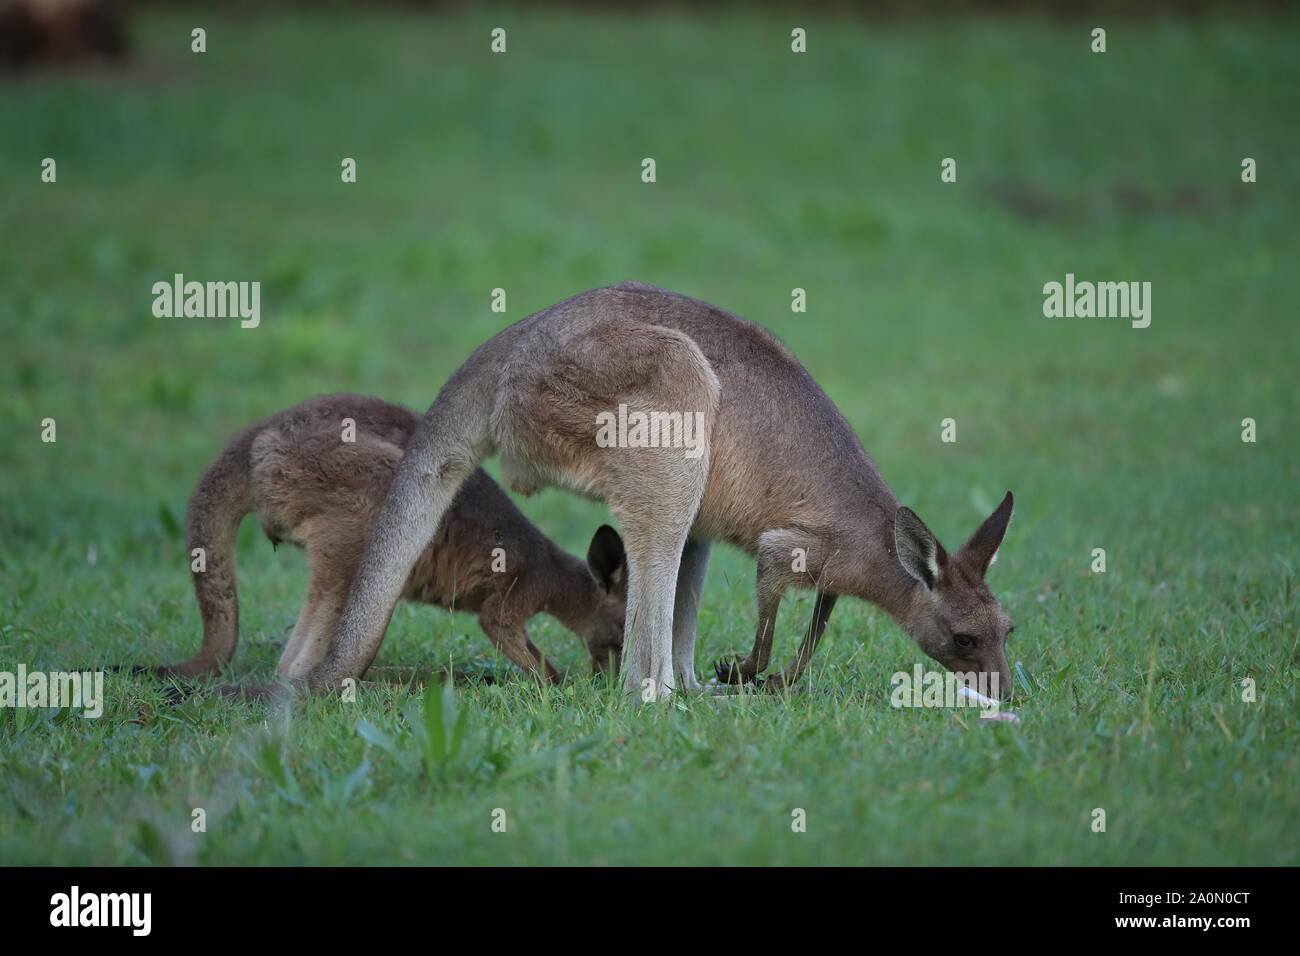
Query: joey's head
[953, 616]
[603, 630]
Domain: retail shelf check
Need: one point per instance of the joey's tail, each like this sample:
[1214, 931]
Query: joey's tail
[220, 500]
[449, 442]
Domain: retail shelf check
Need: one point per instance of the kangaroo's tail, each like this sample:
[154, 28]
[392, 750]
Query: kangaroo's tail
[220, 500]
[449, 442]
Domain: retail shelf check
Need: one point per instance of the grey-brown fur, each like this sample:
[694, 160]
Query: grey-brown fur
[782, 471]
[311, 488]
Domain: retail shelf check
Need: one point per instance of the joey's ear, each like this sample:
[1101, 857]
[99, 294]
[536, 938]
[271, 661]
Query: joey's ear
[982, 548]
[605, 557]
[920, 554]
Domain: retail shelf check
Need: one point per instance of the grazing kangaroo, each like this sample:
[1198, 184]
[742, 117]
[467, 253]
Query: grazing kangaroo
[774, 469]
[309, 486]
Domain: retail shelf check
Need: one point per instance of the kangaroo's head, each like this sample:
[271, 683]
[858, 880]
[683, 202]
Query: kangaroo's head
[953, 616]
[603, 629]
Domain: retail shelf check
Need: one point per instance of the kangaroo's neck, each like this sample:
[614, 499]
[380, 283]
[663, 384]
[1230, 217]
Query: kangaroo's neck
[863, 562]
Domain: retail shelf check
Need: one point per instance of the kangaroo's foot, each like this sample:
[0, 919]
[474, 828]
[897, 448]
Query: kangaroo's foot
[198, 667]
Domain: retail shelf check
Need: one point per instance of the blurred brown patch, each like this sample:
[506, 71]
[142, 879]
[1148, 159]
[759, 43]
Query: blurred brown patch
[1034, 204]
[1144, 202]
[34, 32]
[1027, 202]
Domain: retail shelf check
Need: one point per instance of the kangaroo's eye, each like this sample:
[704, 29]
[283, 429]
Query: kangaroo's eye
[963, 640]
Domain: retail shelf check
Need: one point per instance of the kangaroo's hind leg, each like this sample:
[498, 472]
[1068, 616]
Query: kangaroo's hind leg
[333, 543]
[315, 629]
[558, 414]
[690, 582]
[297, 636]
[656, 497]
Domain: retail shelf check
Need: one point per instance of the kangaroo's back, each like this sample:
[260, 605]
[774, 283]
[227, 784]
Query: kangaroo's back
[780, 452]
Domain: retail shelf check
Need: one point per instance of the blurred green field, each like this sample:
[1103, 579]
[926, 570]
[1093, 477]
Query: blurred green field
[775, 171]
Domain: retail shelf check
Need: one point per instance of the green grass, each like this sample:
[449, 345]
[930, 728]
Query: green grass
[775, 171]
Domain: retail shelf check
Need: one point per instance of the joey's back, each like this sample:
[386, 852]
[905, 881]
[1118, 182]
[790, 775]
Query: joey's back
[309, 482]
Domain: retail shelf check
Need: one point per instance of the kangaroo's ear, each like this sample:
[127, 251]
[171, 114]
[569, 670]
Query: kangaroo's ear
[920, 554]
[982, 548]
[605, 557]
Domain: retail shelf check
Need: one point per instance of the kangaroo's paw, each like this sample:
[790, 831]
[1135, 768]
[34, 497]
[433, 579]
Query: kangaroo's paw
[178, 692]
[733, 672]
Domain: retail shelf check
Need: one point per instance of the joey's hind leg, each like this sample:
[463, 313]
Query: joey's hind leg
[298, 636]
[332, 564]
[314, 609]
[309, 644]
[690, 583]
